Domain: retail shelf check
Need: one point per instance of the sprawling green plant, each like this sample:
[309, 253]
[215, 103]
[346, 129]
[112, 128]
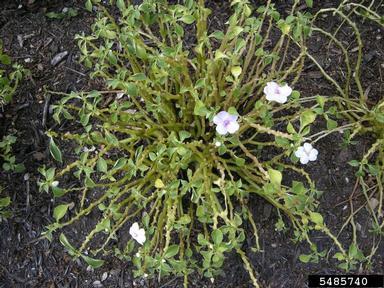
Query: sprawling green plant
[150, 149]
[364, 118]
[8, 81]
[8, 165]
[4, 204]
[8, 159]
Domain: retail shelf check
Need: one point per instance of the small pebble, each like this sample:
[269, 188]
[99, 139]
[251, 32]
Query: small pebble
[373, 203]
[20, 39]
[58, 58]
[97, 284]
[104, 276]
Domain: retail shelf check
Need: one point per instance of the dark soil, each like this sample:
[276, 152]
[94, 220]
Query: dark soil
[33, 40]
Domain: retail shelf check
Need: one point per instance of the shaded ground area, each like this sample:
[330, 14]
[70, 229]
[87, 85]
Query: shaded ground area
[34, 40]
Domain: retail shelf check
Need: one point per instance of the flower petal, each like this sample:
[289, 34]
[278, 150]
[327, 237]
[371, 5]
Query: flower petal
[141, 236]
[134, 228]
[221, 129]
[232, 118]
[269, 89]
[307, 147]
[304, 159]
[285, 90]
[232, 127]
[220, 117]
[313, 155]
[281, 98]
[299, 152]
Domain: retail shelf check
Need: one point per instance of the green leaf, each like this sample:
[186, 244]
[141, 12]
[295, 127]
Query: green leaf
[19, 168]
[184, 135]
[53, 15]
[343, 266]
[64, 241]
[200, 109]
[103, 225]
[60, 211]
[138, 77]
[200, 211]
[102, 165]
[4, 202]
[188, 19]
[295, 95]
[94, 263]
[240, 161]
[220, 55]
[132, 89]
[58, 192]
[88, 5]
[354, 163]
[218, 35]
[236, 71]
[275, 177]
[171, 251]
[121, 5]
[232, 110]
[88, 182]
[290, 128]
[55, 151]
[309, 3]
[285, 28]
[352, 252]
[321, 100]
[5, 59]
[316, 218]
[217, 236]
[306, 118]
[235, 31]
[331, 124]
[185, 219]
[305, 258]
[111, 138]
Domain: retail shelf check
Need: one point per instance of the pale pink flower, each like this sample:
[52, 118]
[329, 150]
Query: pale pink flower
[226, 123]
[277, 93]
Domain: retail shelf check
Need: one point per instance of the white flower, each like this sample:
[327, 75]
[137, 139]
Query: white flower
[119, 95]
[275, 92]
[137, 233]
[55, 184]
[226, 123]
[306, 153]
[217, 143]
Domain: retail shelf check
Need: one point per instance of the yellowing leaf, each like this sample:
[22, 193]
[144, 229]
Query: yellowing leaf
[275, 177]
[220, 55]
[159, 184]
[316, 218]
[306, 118]
[236, 71]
